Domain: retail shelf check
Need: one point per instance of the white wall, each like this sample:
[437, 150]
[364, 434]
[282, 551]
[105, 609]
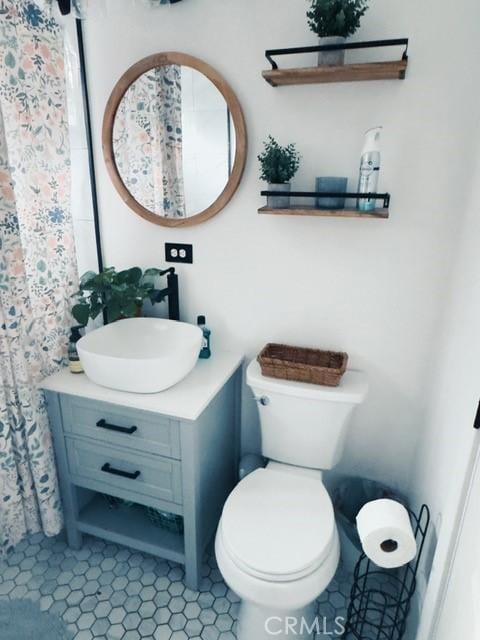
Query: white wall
[448, 441]
[373, 288]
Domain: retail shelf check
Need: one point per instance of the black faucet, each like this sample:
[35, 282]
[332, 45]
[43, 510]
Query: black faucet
[170, 292]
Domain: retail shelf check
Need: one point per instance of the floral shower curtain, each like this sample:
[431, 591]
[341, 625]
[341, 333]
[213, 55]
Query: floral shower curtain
[37, 262]
[147, 141]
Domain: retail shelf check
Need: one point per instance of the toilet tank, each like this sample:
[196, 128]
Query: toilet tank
[305, 424]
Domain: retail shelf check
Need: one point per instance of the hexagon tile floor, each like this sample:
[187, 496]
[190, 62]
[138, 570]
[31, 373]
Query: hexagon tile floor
[111, 592]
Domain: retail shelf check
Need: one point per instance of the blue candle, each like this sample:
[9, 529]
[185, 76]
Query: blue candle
[331, 185]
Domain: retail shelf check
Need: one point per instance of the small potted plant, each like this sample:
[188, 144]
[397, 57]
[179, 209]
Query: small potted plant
[120, 294]
[333, 21]
[278, 166]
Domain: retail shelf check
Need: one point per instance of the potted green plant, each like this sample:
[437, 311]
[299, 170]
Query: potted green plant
[120, 294]
[278, 166]
[333, 21]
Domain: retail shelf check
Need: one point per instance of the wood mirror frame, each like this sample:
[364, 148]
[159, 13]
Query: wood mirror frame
[128, 78]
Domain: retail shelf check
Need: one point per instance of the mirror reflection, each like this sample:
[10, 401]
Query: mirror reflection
[174, 141]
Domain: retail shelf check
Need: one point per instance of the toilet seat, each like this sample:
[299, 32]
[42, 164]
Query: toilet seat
[278, 526]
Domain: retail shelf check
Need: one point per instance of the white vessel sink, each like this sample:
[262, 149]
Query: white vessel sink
[140, 355]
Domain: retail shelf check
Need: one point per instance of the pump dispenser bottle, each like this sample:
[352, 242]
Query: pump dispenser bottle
[369, 168]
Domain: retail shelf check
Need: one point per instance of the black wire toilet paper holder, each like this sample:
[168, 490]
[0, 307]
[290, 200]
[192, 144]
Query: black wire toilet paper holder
[380, 599]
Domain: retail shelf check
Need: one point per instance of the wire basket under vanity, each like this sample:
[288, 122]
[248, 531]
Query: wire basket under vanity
[380, 599]
[165, 520]
[113, 502]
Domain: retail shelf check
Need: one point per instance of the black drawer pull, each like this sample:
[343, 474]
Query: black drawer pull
[117, 472]
[113, 427]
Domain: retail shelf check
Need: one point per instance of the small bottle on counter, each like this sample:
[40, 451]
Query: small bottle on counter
[73, 358]
[205, 352]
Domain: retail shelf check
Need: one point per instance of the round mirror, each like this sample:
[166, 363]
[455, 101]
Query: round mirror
[174, 139]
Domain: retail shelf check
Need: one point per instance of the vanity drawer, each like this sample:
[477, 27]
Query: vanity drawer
[112, 467]
[121, 426]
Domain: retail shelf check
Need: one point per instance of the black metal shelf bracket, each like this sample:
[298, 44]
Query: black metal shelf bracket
[332, 194]
[397, 42]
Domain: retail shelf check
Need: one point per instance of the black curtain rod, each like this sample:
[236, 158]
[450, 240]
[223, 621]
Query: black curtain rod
[88, 130]
[65, 6]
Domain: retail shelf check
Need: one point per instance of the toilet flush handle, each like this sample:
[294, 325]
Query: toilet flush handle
[263, 400]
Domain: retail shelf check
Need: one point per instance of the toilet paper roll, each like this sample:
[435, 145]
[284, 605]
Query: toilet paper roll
[386, 533]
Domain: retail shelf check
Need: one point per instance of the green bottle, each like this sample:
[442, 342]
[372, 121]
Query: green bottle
[205, 352]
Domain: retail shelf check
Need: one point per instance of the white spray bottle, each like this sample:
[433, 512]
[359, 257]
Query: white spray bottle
[369, 168]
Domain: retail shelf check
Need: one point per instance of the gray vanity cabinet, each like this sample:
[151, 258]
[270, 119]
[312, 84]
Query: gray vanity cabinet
[127, 446]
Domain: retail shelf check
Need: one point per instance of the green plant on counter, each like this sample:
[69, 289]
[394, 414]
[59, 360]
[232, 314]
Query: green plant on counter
[336, 17]
[120, 294]
[278, 164]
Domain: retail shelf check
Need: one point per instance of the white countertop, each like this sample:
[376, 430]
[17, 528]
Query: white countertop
[186, 400]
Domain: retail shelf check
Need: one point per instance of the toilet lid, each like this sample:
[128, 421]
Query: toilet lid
[352, 389]
[277, 525]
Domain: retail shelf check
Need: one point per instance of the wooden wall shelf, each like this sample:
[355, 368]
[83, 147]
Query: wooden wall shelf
[394, 70]
[345, 73]
[325, 213]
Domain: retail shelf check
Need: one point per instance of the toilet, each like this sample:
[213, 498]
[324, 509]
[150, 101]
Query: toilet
[277, 544]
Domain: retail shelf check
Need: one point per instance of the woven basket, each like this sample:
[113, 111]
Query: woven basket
[303, 365]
